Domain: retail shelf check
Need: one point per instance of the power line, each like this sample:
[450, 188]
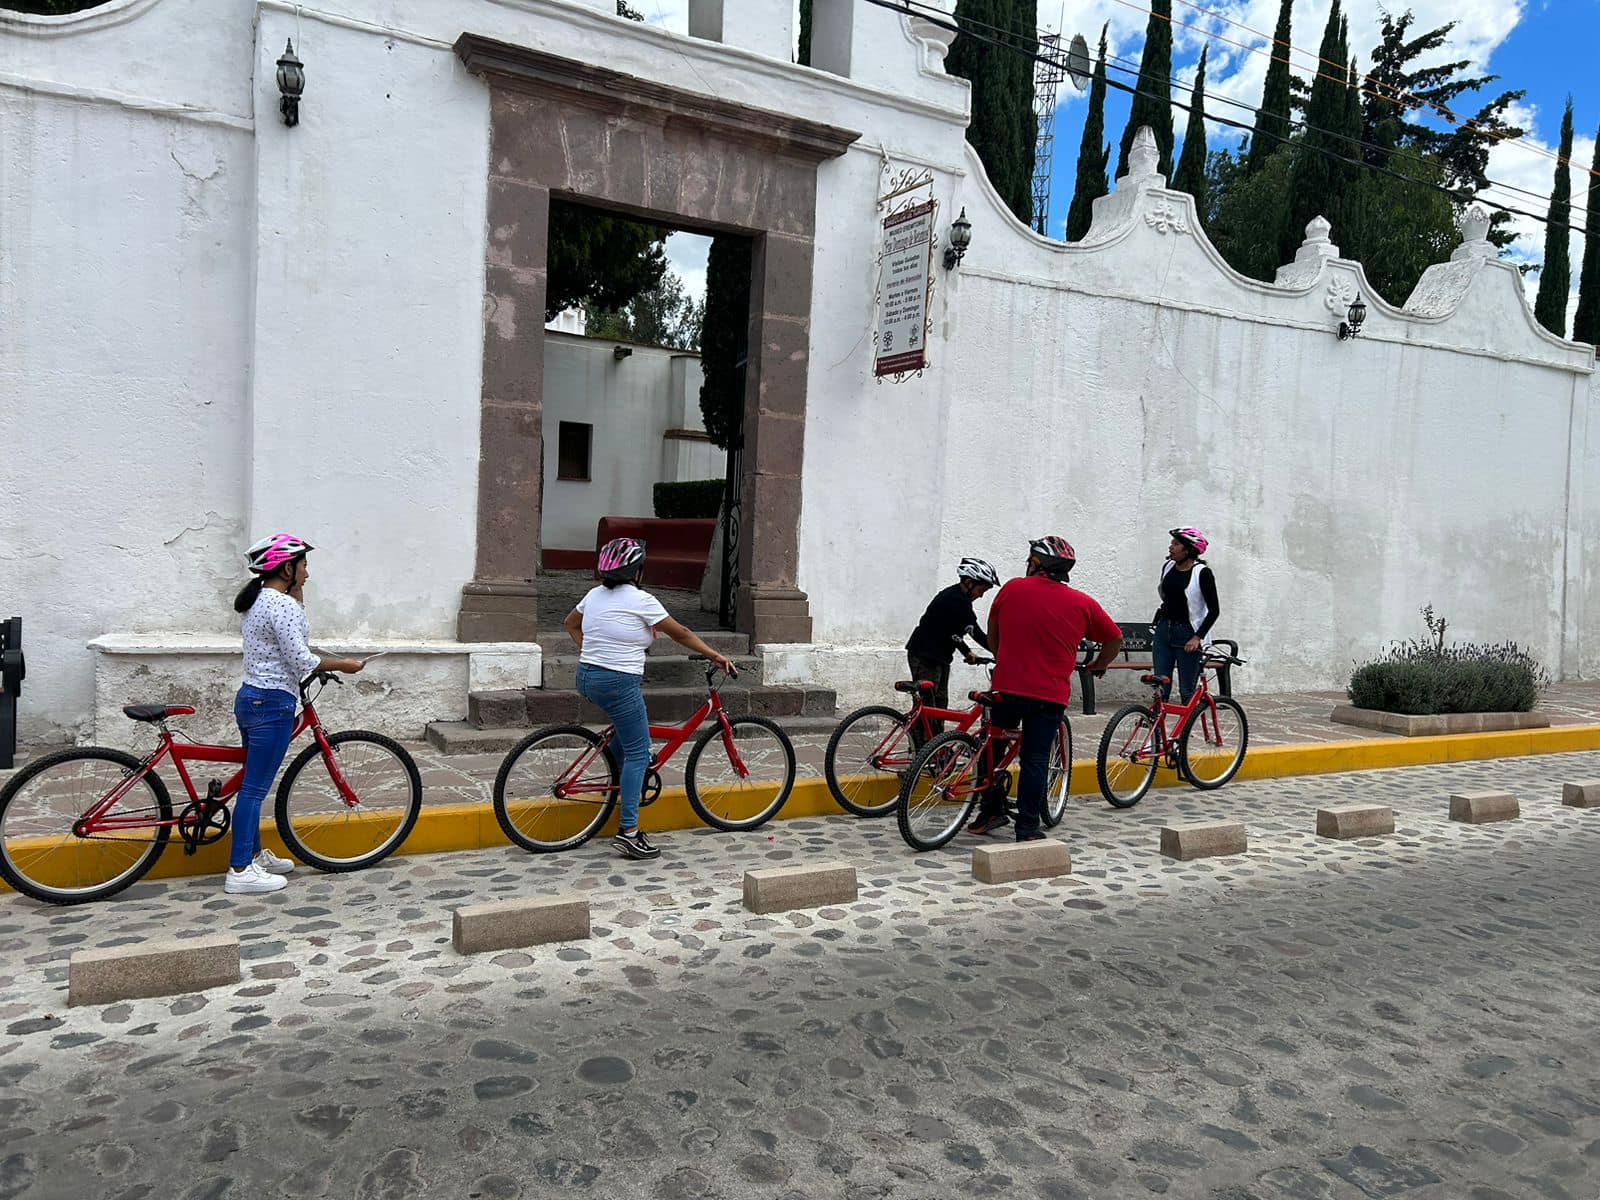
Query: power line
[936, 17]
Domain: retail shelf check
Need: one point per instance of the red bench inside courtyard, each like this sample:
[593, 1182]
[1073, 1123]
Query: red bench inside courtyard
[677, 547]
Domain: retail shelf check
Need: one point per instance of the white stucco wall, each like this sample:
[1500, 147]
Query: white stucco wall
[217, 326]
[631, 403]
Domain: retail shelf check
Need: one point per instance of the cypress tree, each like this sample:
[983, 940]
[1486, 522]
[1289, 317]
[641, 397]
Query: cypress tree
[1586, 323]
[1273, 116]
[724, 336]
[1555, 277]
[1093, 154]
[1004, 130]
[803, 50]
[1152, 103]
[1318, 182]
[1191, 173]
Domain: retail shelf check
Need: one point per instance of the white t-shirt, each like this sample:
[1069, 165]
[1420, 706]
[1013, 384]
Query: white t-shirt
[618, 626]
[275, 634]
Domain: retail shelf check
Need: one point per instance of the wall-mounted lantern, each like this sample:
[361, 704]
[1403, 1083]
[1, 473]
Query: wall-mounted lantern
[621, 352]
[291, 82]
[1355, 319]
[960, 239]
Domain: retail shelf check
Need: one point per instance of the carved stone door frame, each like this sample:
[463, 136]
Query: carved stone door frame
[575, 130]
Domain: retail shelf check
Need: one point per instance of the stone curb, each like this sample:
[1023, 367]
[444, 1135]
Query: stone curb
[1480, 808]
[1203, 839]
[166, 968]
[512, 924]
[1344, 821]
[1585, 793]
[779, 889]
[1021, 860]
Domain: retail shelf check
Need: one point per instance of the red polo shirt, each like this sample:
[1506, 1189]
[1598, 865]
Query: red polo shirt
[1040, 623]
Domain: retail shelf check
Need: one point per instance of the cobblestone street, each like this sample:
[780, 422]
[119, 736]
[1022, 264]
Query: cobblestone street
[1410, 1015]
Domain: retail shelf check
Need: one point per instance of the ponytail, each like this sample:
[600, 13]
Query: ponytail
[246, 599]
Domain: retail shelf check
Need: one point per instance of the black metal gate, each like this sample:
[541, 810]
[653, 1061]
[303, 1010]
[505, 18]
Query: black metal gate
[731, 488]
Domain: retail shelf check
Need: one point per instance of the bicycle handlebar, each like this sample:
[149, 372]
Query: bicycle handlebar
[732, 672]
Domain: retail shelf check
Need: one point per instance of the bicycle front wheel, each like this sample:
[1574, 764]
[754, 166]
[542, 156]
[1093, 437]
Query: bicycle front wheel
[746, 780]
[865, 758]
[1058, 780]
[939, 791]
[556, 788]
[1130, 751]
[1213, 743]
[43, 855]
[320, 825]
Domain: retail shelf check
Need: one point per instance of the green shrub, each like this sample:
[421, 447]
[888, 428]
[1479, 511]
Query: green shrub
[1424, 678]
[691, 498]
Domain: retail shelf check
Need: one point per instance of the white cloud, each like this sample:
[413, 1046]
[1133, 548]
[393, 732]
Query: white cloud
[687, 253]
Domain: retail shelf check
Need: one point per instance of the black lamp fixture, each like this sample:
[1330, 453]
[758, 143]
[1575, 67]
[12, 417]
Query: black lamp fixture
[960, 239]
[1356, 317]
[291, 82]
[621, 352]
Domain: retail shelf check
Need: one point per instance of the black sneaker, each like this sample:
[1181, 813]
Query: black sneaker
[635, 845]
[988, 823]
[1035, 836]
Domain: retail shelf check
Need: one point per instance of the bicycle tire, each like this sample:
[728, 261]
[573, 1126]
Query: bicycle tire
[830, 761]
[602, 812]
[1057, 789]
[695, 788]
[352, 825]
[1216, 780]
[1136, 784]
[14, 873]
[940, 763]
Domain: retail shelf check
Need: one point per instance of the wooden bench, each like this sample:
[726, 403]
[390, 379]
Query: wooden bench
[1136, 649]
[675, 548]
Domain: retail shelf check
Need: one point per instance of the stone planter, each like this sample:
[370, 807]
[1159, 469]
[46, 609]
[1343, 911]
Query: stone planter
[1409, 726]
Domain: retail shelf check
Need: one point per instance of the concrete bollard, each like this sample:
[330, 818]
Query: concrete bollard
[1203, 839]
[779, 889]
[510, 924]
[1039, 859]
[1480, 808]
[168, 968]
[1583, 794]
[1346, 821]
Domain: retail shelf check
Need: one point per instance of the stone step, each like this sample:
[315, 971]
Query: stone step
[461, 737]
[552, 706]
[660, 670]
[724, 641]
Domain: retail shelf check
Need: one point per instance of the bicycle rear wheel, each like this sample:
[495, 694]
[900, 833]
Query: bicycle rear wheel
[1058, 781]
[736, 788]
[322, 829]
[41, 853]
[940, 791]
[865, 758]
[1128, 757]
[556, 788]
[1212, 747]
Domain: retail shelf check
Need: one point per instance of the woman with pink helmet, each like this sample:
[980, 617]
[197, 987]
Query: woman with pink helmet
[276, 659]
[613, 626]
[1189, 609]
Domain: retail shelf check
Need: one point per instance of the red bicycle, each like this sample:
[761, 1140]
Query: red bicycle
[955, 770]
[873, 747]
[1206, 748]
[557, 787]
[86, 823]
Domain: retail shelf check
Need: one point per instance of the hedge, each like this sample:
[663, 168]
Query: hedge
[690, 498]
[1427, 678]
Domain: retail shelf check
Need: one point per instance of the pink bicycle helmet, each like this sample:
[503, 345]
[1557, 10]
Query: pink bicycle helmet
[1191, 537]
[270, 553]
[620, 560]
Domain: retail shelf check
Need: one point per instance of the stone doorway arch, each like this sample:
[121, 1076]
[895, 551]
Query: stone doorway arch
[615, 141]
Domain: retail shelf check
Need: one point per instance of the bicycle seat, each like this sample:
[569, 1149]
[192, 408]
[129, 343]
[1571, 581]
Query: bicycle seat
[157, 712]
[915, 685]
[984, 697]
[1163, 680]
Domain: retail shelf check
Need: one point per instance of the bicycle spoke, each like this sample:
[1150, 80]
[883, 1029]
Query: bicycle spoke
[552, 793]
[317, 817]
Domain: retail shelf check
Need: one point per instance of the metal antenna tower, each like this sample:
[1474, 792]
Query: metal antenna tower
[1051, 70]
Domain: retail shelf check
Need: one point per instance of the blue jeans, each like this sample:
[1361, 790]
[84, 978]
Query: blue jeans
[1166, 648]
[266, 722]
[1040, 721]
[622, 697]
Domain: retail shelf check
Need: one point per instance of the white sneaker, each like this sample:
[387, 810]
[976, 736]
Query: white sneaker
[268, 861]
[252, 880]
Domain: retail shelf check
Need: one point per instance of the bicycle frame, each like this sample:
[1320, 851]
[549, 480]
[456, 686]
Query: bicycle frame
[183, 753]
[672, 737]
[1200, 704]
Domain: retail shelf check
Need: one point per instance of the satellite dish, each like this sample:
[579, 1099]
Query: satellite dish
[1078, 68]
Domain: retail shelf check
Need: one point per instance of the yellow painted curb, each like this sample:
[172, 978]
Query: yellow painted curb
[445, 827]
